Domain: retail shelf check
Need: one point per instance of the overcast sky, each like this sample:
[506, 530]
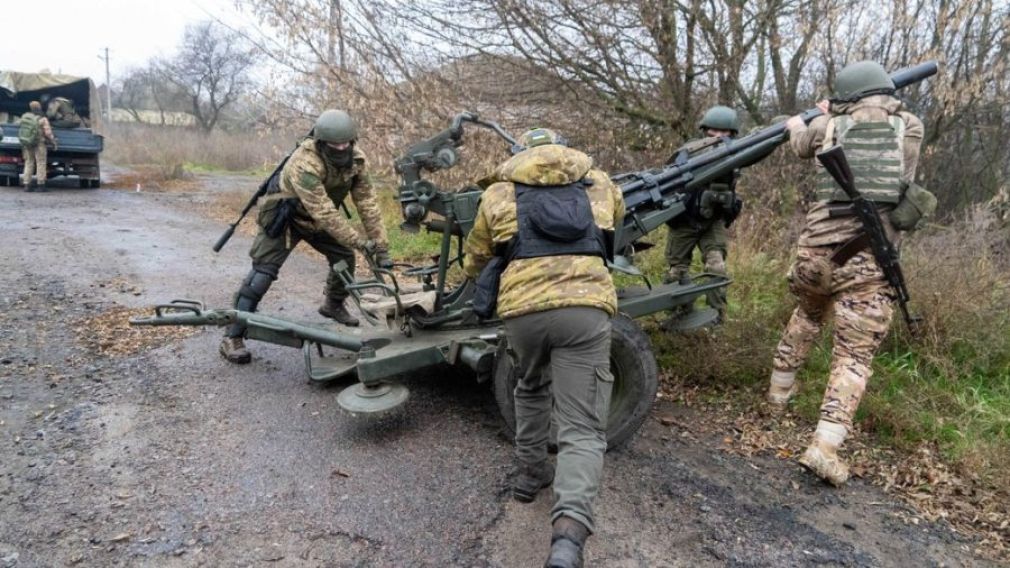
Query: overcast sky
[68, 36]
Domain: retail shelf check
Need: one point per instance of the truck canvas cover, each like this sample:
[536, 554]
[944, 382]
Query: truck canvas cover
[18, 89]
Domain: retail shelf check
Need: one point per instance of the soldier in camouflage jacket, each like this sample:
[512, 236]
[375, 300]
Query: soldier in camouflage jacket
[828, 278]
[556, 305]
[304, 204]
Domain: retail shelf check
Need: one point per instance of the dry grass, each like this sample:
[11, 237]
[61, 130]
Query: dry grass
[177, 149]
[110, 334]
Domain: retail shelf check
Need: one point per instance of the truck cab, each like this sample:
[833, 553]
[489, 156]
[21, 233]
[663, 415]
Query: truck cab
[78, 147]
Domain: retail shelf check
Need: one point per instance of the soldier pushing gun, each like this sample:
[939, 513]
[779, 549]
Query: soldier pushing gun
[303, 198]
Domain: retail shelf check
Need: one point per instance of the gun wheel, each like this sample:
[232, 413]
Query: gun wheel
[636, 381]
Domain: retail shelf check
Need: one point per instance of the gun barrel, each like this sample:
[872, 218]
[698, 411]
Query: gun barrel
[650, 187]
[910, 75]
[225, 237]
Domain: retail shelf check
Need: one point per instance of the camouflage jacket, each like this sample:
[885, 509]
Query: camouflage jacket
[321, 187]
[806, 141]
[531, 285]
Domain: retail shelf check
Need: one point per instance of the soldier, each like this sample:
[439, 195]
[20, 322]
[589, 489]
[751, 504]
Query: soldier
[556, 301]
[61, 113]
[709, 211]
[835, 272]
[304, 204]
[34, 133]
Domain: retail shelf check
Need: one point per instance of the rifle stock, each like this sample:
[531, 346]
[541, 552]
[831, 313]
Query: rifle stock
[833, 160]
[884, 252]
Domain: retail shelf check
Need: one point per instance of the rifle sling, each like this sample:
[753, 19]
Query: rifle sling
[851, 248]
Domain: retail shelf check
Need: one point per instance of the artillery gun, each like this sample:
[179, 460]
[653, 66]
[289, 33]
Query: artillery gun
[433, 323]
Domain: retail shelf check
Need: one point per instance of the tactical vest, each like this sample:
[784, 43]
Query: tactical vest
[29, 130]
[875, 155]
[556, 221]
[717, 200]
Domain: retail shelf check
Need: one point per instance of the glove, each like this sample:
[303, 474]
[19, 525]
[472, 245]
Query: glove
[382, 259]
[367, 246]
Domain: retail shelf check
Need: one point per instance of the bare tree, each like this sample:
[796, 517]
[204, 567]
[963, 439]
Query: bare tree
[212, 69]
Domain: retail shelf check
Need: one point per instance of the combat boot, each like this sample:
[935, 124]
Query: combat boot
[31, 187]
[567, 540]
[530, 480]
[781, 389]
[42, 187]
[233, 349]
[821, 456]
[337, 311]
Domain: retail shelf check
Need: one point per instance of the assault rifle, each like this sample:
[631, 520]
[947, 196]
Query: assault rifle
[653, 197]
[833, 160]
[260, 192]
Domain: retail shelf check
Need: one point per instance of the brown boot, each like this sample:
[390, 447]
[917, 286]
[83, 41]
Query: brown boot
[233, 349]
[567, 540]
[530, 480]
[337, 311]
[821, 456]
[781, 389]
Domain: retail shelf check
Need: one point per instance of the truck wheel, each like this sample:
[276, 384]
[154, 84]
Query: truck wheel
[635, 382]
[83, 183]
[96, 183]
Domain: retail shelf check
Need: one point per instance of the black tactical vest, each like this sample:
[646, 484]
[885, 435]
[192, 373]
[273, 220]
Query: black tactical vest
[556, 221]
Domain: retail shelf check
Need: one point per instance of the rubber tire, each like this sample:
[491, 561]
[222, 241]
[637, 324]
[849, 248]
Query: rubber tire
[83, 183]
[636, 380]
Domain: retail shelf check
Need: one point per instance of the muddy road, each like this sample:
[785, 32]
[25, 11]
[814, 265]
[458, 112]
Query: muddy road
[169, 456]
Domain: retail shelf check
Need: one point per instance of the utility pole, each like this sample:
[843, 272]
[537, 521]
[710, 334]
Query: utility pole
[108, 88]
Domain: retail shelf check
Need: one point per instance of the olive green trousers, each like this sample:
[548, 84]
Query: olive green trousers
[563, 364]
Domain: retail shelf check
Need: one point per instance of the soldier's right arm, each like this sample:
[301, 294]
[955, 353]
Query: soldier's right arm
[47, 131]
[806, 140]
[914, 130]
[305, 177]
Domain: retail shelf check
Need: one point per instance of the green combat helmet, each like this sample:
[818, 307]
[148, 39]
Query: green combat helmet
[861, 79]
[720, 118]
[537, 137]
[335, 126]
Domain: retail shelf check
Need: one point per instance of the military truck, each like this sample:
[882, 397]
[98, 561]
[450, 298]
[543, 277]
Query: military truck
[78, 147]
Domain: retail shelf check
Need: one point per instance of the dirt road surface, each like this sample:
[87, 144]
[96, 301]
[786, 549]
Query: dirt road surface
[172, 457]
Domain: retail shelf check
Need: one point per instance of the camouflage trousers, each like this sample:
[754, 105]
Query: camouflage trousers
[36, 159]
[681, 240]
[858, 297]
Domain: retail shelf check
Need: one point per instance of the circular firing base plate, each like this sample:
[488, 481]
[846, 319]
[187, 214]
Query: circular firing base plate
[364, 400]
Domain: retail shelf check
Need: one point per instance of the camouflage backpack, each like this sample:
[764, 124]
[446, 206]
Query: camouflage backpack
[28, 132]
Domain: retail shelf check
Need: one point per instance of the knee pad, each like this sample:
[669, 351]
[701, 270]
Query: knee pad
[254, 287]
[810, 282]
